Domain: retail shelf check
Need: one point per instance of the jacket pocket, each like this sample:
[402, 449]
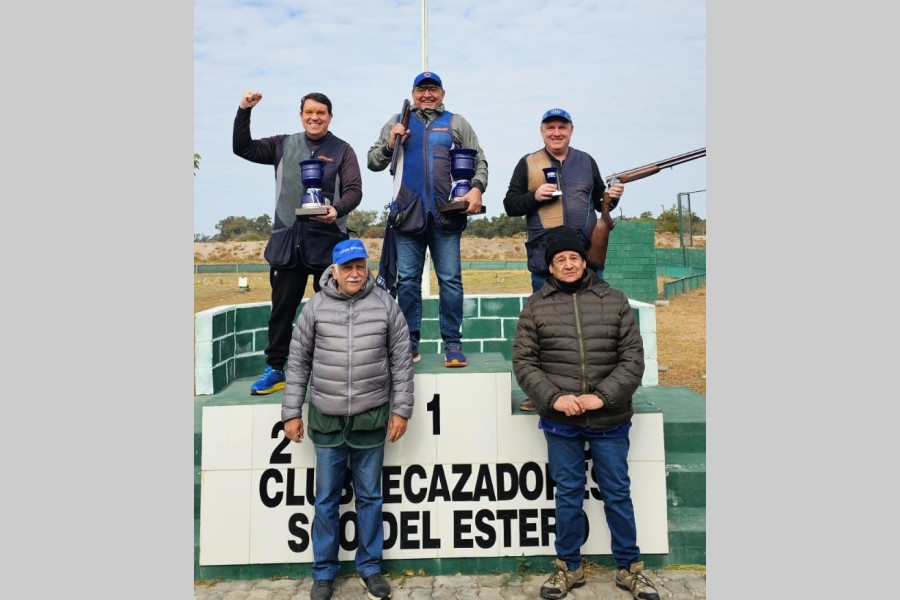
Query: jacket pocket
[534, 250]
[372, 419]
[369, 429]
[280, 251]
[409, 217]
[326, 431]
[317, 242]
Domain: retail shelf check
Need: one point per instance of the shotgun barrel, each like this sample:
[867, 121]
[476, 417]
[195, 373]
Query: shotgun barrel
[653, 168]
[596, 252]
[404, 118]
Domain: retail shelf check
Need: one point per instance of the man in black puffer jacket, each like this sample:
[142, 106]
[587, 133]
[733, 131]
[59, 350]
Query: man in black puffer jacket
[579, 356]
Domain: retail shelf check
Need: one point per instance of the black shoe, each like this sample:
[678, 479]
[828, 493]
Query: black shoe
[376, 586]
[322, 589]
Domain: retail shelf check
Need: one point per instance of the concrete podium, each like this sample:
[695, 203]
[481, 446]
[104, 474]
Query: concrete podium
[468, 480]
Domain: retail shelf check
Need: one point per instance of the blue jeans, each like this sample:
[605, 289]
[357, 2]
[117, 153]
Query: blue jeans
[567, 468]
[448, 269]
[331, 468]
[537, 279]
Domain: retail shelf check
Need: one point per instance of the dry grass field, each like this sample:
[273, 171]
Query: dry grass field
[681, 324]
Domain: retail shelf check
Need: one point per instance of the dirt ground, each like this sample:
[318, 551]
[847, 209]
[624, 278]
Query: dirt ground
[471, 249]
[680, 323]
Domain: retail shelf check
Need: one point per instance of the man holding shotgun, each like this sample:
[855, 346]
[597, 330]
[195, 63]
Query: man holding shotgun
[579, 180]
[422, 187]
[582, 187]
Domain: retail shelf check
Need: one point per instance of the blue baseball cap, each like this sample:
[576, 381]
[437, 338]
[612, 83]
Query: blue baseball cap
[347, 250]
[557, 113]
[427, 76]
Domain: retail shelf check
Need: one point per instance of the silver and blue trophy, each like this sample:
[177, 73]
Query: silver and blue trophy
[312, 172]
[551, 175]
[462, 169]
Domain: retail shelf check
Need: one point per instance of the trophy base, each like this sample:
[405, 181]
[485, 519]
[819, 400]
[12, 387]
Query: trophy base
[459, 207]
[556, 193]
[311, 211]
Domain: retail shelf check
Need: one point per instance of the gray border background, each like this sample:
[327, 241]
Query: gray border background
[97, 240]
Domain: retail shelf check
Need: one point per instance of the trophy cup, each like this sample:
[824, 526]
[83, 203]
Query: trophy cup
[462, 169]
[313, 203]
[551, 175]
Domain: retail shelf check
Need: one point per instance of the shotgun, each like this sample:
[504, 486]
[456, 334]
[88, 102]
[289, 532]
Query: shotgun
[596, 253]
[404, 118]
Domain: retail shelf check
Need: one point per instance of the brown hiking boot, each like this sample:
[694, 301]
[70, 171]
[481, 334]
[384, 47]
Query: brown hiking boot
[561, 581]
[636, 582]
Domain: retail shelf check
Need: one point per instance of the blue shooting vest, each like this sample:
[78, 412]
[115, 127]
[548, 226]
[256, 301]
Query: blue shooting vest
[426, 179]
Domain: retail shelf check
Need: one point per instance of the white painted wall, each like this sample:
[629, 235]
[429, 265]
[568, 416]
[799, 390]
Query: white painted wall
[474, 430]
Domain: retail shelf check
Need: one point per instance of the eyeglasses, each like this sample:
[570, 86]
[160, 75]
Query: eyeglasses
[428, 88]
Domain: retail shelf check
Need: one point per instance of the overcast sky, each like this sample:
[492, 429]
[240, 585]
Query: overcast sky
[631, 73]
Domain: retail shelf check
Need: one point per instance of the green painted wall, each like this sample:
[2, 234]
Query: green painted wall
[230, 341]
[631, 263]
[631, 260]
[690, 257]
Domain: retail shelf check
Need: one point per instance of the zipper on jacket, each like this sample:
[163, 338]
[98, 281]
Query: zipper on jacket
[580, 342]
[430, 202]
[351, 301]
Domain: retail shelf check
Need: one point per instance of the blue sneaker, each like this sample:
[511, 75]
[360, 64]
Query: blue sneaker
[453, 356]
[270, 381]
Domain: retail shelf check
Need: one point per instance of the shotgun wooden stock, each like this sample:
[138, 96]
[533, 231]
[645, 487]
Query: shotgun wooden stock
[596, 254]
[404, 118]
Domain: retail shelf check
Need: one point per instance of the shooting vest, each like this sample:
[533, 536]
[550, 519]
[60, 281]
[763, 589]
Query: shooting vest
[575, 209]
[426, 179]
[289, 189]
[311, 240]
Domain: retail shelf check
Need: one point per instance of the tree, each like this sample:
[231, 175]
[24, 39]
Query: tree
[668, 222]
[196, 163]
[502, 226]
[242, 229]
[361, 220]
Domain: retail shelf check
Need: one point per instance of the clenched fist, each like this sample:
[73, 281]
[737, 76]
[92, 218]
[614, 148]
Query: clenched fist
[250, 99]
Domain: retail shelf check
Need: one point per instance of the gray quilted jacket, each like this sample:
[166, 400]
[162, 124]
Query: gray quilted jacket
[351, 352]
[587, 342]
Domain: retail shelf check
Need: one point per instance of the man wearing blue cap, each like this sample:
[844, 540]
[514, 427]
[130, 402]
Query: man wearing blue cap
[350, 326]
[531, 196]
[424, 179]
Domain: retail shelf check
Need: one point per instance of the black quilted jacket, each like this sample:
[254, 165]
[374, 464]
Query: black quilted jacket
[579, 343]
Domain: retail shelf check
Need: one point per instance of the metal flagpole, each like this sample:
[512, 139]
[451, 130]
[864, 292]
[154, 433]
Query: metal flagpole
[424, 35]
[426, 273]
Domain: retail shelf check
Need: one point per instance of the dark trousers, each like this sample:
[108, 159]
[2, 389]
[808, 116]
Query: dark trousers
[288, 286]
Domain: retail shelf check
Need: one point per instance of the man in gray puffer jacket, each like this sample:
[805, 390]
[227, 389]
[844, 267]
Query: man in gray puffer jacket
[350, 349]
[579, 356]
